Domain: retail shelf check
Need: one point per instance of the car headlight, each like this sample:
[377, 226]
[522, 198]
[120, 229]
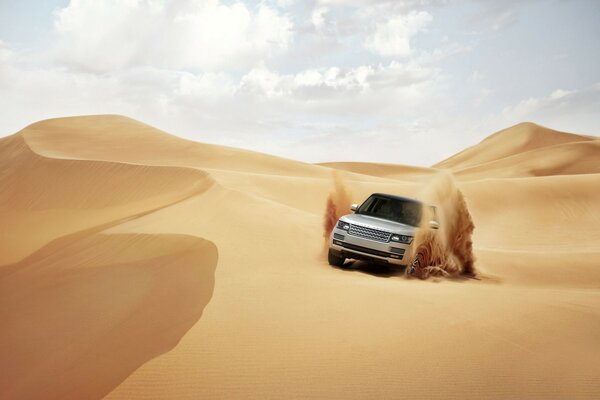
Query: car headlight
[401, 239]
[343, 225]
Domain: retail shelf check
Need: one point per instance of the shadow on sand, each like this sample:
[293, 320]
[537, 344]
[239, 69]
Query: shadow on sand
[387, 271]
[79, 316]
[374, 269]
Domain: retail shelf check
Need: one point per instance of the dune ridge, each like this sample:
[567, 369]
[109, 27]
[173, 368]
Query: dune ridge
[575, 158]
[83, 309]
[520, 138]
[125, 140]
[59, 198]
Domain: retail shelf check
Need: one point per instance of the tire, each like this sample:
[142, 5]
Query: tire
[421, 260]
[335, 260]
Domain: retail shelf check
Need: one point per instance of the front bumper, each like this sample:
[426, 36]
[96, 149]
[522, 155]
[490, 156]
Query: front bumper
[350, 246]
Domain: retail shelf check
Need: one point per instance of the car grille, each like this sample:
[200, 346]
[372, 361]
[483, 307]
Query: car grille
[369, 233]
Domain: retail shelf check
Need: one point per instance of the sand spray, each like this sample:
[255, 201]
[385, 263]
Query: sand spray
[338, 204]
[448, 250]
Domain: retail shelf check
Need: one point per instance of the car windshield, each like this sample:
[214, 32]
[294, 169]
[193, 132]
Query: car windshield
[398, 210]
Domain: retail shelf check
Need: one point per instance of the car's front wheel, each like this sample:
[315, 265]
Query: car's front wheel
[421, 260]
[334, 259]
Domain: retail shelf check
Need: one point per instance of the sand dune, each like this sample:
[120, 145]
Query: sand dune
[81, 310]
[508, 142]
[122, 209]
[575, 158]
[43, 197]
[121, 139]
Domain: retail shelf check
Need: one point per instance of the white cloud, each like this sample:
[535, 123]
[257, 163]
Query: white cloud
[208, 85]
[262, 102]
[262, 82]
[392, 37]
[571, 110]
[318, 17]
[336, 83]
[295, 78]
[195, 34]
[559, 94]
[528, 107]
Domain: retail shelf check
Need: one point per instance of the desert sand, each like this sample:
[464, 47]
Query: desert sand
[138, 265]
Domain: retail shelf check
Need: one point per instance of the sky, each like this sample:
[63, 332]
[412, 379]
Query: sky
[404, 82]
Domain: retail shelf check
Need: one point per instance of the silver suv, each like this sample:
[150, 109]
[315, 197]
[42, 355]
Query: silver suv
[381, 230]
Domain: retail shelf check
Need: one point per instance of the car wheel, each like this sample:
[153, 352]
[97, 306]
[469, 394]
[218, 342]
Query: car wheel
[420, 262]
[334, 259]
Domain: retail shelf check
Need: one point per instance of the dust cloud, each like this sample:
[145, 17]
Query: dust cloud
[339, 202]
[447, 251]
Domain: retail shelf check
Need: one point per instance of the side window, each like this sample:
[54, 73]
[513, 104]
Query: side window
[367, 206]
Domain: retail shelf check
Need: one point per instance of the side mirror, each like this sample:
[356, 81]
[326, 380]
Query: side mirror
[354, 207]
[434, 224]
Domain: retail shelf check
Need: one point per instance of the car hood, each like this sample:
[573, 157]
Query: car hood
[379, 223]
